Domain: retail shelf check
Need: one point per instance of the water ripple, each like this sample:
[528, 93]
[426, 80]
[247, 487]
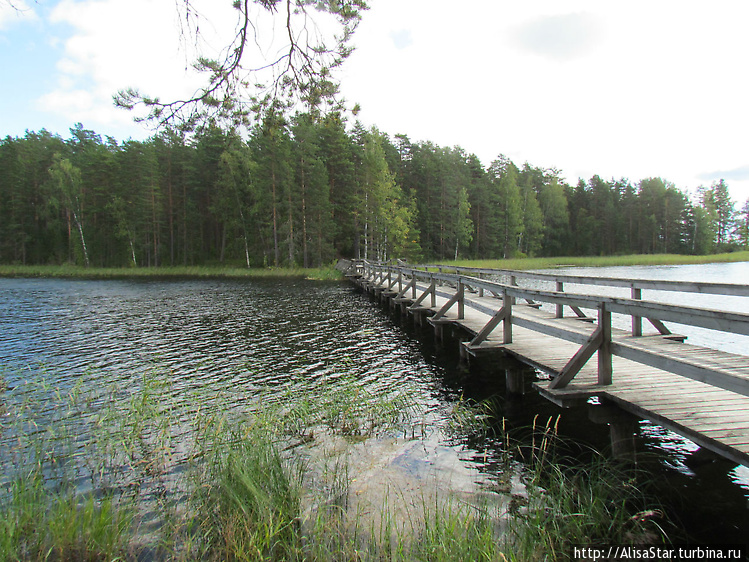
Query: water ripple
[205, 332]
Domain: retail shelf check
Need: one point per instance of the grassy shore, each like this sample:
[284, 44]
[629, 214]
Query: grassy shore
[186, 272]
[601, 261]
[331, 274]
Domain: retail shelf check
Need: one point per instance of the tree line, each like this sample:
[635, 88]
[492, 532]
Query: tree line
[303, 190]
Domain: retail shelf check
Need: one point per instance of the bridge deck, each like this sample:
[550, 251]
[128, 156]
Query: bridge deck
[712, 417]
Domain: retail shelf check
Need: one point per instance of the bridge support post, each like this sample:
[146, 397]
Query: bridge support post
[404, 309]
[439, 333]
[515, 381]
[622, 429]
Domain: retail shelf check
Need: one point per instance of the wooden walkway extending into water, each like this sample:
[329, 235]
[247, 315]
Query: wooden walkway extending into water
[700, 393]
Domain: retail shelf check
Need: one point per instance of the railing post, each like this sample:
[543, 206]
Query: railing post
[560, 307]
[605, 368]
[636, 320]
[514, 283]
[461, 303]
[507, 321]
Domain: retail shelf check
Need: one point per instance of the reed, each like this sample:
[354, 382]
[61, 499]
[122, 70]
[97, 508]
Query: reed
[601, 261]
[232, 476]
[601, 503]
[69, 271]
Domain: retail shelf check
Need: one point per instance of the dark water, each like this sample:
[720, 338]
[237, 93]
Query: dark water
[245, 334]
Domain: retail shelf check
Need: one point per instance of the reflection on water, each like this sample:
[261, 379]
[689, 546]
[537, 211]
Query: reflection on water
[240, 336]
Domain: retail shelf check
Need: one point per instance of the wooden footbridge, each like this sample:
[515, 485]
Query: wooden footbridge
[700, 393]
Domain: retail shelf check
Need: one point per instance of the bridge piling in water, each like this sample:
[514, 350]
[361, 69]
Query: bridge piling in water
[698, 392]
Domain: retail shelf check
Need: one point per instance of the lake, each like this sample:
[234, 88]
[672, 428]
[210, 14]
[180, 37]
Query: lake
[236, 337]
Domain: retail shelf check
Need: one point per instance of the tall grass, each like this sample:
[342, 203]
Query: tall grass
[188, 272]
[601, 503]
[99, 473]
[329, 273]
[601, 261]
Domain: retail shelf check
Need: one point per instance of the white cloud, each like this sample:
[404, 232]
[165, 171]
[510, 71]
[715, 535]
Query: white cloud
[149, 46]
[116, 45]
[560, 37]
[402, 38]
[633, 89]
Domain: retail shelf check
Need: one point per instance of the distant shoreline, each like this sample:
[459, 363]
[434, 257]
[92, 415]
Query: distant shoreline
[179, 272]
[69, 271]
[603, 261]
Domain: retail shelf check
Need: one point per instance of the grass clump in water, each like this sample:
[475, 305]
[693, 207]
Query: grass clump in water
[249, 507]
[601, 503]
[241, 476]
[70, 271]
[39, 523]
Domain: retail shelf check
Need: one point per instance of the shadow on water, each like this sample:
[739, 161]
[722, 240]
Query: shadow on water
[705, 496]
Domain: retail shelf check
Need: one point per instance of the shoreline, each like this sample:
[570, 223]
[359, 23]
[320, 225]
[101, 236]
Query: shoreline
[68, 271]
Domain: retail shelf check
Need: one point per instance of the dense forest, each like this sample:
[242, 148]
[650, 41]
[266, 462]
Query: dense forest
[305, 190]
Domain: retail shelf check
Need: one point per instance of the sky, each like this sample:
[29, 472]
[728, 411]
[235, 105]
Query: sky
[623, 89]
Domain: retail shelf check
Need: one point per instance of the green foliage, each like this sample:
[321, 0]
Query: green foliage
[302, 191]
[742, 226]
[389, 229]
[37, 523]
[716, 201]
[509, 219]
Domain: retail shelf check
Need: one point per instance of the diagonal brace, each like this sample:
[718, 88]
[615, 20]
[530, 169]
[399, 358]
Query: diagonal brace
[502, 314]
[456, 298]
[580, 358]
[600, 341]
[411, 285]
[430, 291]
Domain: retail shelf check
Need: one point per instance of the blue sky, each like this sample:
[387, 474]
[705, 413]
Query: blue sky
[621, 89]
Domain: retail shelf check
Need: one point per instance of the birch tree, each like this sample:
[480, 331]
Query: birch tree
[67, 185]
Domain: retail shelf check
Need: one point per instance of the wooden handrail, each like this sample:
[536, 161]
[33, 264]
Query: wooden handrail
[733, 322]
[728, 289]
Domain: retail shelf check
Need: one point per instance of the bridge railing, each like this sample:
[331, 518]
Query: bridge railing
[560, 281]
[400, 280]
[704, 287]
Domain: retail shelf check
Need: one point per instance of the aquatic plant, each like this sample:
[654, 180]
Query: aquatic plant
[601, 503]
[98, 472]
[601, 261]
[170, 272]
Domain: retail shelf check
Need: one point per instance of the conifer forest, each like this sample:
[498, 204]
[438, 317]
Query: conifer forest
[304, 190]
